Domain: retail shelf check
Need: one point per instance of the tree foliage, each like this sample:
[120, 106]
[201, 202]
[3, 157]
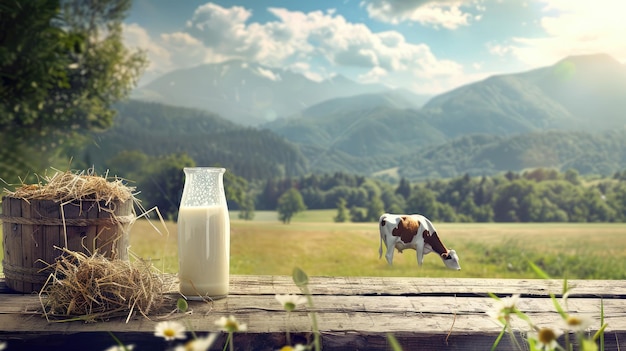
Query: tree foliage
[62, 66]
[289, 203]
[160, 181]
[159, 130]
[539, 195]
[342, 212]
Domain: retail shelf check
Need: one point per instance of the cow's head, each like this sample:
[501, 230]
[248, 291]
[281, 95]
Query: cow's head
[451, 260]
[449, 257]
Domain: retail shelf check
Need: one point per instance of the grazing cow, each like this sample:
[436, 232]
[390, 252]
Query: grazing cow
[413, 232]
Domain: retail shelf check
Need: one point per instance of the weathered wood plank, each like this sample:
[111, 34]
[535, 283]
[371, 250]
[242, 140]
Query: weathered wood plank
[341, 328]
[355, 313]
[384, 286]
[402, 286]
[366, 314]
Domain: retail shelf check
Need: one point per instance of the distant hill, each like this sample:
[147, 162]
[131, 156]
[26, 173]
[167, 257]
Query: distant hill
[363, 126]
[587, 152]
[395, 99]
[568, 115]
[601, 153]
[247, 93]
[157, 129]
[577, 93]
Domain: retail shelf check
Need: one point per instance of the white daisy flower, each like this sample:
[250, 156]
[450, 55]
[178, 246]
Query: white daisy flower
[290, 301]
[230, 324]
[199, 344]
[578, 323]
[545, 338]
[170, 330]
[503, 308]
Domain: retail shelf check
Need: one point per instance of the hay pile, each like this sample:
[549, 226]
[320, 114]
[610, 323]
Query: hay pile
[94, 288]
[91, 286]
[69, 186]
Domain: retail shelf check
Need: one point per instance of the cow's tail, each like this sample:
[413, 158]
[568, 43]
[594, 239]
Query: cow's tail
[380, 248]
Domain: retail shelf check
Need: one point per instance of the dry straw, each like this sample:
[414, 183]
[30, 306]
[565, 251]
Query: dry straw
[69, 186]
[92, 287]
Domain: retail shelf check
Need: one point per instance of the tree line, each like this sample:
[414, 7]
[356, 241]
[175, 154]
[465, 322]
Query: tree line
[540, 195]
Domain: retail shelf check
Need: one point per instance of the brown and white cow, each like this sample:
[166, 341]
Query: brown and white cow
[415, 232]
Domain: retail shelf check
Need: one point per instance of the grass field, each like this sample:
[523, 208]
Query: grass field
[320, 247]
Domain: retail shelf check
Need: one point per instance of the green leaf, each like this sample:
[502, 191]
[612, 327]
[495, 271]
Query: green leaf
[493, 296]
[588, 345]
[538, 271]
[497, 341]
[558, 307]
[182, 305]
[395, 345]
[299, 277]
[600, 332]
[565, 286]
[544, 275]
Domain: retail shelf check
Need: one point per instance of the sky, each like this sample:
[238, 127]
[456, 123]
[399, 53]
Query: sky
[426, 46]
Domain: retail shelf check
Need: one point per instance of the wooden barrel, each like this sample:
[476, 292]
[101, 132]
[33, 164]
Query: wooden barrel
[32, 228]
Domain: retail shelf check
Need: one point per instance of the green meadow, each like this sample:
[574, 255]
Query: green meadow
[313, 242]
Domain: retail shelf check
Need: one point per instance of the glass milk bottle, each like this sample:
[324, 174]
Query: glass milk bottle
[203, 235]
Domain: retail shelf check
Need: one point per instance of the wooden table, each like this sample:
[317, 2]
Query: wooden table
[354, 313]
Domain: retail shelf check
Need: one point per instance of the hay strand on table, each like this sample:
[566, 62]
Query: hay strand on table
[92, 287]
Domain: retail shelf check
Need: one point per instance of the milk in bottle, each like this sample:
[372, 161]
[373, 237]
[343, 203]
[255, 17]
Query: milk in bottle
[203, 235]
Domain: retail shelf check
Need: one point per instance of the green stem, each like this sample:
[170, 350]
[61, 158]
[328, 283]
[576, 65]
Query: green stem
[193, 333]
[497, 341]
[118, 341]
[228, 341]
[316, 332]
[287, 329]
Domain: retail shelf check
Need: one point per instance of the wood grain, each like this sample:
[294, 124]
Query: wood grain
[354, 313]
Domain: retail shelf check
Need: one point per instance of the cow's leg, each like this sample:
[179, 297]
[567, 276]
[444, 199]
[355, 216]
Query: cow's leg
[390, 242]
[419, 248]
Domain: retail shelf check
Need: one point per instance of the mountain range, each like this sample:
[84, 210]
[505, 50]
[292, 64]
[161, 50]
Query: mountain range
[247, 93]
[568, 115]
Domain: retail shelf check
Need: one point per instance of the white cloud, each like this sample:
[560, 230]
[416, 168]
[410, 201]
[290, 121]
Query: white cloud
[316, 44]
[437, 13]
[216, 25]
[185, 50]
[498, 49]
[302, 37]
[572, 28]
[373, 76]
[268, 74]
[353, 44]
[137, 37]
